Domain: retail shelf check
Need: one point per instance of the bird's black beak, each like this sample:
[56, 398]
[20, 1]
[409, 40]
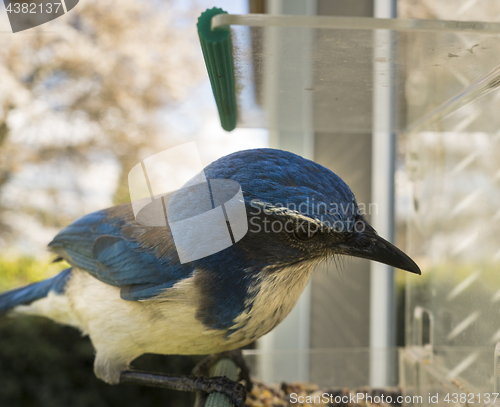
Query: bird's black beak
[369, 245]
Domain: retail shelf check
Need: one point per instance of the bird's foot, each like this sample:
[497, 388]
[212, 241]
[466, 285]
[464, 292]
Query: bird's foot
[203, 367]
[221, 384]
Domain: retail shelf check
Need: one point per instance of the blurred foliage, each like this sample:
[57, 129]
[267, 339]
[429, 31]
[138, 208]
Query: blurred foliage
[24, 270]
[90, 90]
[86, 88]
[48, 365]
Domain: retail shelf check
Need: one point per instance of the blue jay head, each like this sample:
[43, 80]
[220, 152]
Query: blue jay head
[299, 211]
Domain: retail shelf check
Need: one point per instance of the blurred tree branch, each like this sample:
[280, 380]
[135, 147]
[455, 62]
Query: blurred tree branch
[93, 81]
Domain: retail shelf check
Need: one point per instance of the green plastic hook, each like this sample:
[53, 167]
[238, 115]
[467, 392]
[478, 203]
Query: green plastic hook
[217, 50]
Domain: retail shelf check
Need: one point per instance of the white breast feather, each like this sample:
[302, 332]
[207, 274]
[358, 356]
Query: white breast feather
[278, 292]
[123, 330]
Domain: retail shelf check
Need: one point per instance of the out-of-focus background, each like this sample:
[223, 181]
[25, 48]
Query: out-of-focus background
[83, 99]
[87, 96]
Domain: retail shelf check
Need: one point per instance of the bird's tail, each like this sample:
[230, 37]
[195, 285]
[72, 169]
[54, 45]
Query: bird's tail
[26, 295]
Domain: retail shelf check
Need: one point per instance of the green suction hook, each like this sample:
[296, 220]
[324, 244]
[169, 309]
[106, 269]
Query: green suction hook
[218, 54]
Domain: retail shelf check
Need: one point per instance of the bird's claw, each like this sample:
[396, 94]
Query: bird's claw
[200, 384]
[203, 367]
[221, 384]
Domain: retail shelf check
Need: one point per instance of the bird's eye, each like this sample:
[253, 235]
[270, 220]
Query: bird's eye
[305, 231]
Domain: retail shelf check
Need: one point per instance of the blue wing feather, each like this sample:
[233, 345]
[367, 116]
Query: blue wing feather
[115, 249]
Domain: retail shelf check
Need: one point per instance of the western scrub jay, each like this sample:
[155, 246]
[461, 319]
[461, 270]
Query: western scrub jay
[127, 290]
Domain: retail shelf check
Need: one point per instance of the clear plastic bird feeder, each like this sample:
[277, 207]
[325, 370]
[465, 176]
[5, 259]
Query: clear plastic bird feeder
[444, 76]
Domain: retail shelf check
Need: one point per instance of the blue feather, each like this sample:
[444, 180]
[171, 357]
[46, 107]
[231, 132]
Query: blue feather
[115, 249]
[26, 295]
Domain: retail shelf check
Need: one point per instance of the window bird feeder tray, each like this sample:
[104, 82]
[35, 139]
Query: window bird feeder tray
[443, 77]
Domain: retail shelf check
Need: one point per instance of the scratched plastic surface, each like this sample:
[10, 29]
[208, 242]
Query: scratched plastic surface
[435, 67]
[447, 119]
[454, 234]
[348, 368]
